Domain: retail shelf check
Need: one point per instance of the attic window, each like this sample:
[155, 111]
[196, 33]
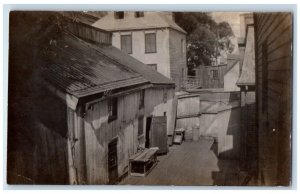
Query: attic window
[119, 14]
[139, 14]
[112, 109]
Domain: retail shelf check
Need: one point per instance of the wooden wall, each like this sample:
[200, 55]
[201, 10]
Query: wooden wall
[98, 131]
[88, 32]
[205, 74]
[273, 38]
[37, 144]
[178, 60]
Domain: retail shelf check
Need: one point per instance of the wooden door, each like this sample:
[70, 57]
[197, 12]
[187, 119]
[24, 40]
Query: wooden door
[159, 136]
[113, 161]
[148, 127]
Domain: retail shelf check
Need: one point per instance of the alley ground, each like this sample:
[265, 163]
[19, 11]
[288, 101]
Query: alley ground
[191, 163]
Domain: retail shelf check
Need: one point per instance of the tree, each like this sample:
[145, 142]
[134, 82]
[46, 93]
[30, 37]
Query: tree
[206, 39]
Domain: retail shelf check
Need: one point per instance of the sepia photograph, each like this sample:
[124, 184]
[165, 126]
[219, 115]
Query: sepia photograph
[152, 98]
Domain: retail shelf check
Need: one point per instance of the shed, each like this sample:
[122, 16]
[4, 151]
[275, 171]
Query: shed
[106, 95]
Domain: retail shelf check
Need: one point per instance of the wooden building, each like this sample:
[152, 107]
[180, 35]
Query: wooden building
[273, 45]
[247, 85]
[153, 38]
[98, 100]
[211, 76]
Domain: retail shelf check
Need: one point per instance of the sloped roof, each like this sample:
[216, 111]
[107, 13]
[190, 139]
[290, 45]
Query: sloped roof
[147, 72]
[151, 20]
[81, 17]
[247, 76]
[83, 69]
[232, 60]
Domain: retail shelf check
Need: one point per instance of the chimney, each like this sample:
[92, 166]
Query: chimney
[245, 20]
[169, 15]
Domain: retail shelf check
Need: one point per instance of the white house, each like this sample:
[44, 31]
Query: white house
[151, 37]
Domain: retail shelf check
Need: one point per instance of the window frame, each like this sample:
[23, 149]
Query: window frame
[112, 109]
[139, 14]
[153, 65]
[155, 47]
[142, 99]
[117, 16]
[126, 35]
[165, 95]
[215, 74]
[140, 125]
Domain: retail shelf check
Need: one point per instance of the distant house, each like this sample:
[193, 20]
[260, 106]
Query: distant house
[211, 76]
[95, 106]
[273, 37]
[151, 37]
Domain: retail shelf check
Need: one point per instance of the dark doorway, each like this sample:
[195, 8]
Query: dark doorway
[113, 161]
[148, 127]
[159, 134]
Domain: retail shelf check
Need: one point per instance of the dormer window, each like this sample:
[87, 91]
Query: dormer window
[119, 15]
[139, 14]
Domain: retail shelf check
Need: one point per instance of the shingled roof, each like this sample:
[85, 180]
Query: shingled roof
[83, 69]
[151, 20]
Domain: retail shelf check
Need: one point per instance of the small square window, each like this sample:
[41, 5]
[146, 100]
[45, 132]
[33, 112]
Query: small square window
[139, 14]
[150, 43]
[153, 66]
[119, 14]
[215, 74]
[112, 109]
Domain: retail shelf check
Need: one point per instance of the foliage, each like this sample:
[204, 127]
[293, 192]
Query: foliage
[206, 39]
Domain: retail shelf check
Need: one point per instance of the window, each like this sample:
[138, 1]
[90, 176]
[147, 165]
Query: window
[153, 66]
[119, 14]
[265, 75]
[150, 43]
[112, 109]
[182, 46]
[142, 99]
[141, 125]
[165, 95]
[139, 14]
[215, 74]
[126, 44]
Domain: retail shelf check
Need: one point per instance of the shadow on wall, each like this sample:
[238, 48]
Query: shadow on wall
[37, 120]
[227, 148]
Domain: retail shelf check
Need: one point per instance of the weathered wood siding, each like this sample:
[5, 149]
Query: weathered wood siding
[205, 74]
[273, 31]
[98, 131]
[178, 60]
[89, 33]
[37, 145]
[188, 105]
